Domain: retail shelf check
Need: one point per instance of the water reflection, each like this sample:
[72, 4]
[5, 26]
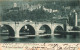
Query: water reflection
[43, 39]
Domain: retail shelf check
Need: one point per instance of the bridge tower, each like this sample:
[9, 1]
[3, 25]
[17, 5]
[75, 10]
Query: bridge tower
[73, 18]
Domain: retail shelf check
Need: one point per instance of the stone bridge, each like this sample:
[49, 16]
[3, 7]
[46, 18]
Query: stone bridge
[35, 27]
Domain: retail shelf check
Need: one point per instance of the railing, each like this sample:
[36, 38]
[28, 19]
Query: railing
[3, 22]
[11, 22]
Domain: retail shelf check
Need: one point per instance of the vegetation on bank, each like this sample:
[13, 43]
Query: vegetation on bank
[63, 8]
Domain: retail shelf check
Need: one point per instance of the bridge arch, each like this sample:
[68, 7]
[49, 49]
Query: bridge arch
[27, 29]
[58, 29]
[9, 28]
[46, 29]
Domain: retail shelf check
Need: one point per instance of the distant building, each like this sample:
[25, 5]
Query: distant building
[78, 22]
[62, 20]
[15, 5]
[73, 18]
[14, 8]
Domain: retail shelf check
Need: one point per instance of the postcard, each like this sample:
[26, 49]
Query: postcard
[39, 25]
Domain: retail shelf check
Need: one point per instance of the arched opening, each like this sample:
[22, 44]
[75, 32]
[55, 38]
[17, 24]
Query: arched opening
[58, 30]
[27, 30]
[7, 30]
[44, 29]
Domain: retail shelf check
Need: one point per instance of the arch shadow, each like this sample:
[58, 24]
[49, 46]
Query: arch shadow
[27, 30]
[10, 30]
[58, 30]
[45, 29]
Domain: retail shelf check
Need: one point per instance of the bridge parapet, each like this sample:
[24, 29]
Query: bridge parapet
[7, 22]
[44, 23]
[58, 23]
[26, 22]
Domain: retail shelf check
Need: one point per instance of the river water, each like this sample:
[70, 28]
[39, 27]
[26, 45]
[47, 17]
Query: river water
[42, 39]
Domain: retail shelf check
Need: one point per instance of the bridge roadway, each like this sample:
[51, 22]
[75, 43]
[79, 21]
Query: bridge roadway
[35, 27]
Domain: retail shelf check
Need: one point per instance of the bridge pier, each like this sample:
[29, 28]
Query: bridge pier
[36, 32]
[17, 34]
[17, 31]
[36, 29]
[52, 33]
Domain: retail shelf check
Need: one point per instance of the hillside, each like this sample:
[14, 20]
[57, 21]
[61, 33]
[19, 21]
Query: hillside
[37, 11]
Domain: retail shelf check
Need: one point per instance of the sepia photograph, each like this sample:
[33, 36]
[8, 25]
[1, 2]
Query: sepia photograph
[39, 21]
